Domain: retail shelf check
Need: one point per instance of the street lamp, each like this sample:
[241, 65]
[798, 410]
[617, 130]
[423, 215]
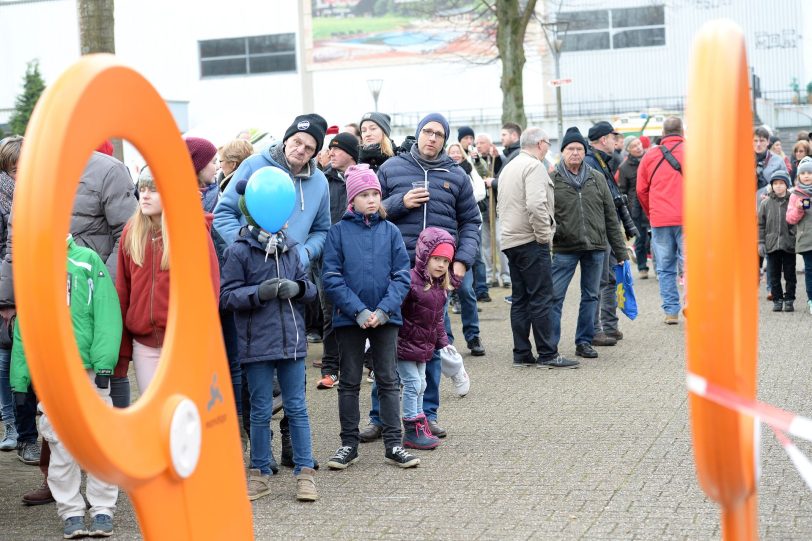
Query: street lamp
[375, 87]
[554, 33]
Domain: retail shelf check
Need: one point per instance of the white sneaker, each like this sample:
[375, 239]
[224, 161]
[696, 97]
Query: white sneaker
[809, 305]
[462, 382]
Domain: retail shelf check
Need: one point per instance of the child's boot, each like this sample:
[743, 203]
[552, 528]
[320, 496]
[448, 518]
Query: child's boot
[789, 306]
[778, 305]
[306, 486]
[9, 442]
[417, 435]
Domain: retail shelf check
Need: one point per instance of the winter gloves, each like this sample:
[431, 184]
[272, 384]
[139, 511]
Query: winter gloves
[362, 317]
[382, 316]
[365, 314]
[278, 288]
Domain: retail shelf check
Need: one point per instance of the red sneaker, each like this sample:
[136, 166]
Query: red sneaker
[328, 382]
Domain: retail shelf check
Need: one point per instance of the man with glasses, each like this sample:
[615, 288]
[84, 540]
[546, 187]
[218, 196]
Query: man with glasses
[425, 188]
[586, 221]
[527, 208]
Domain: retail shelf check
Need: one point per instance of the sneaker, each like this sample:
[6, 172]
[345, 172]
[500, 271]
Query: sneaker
[306, 486]
[101, 526]
[28, 453]
[40, 495]
[74, 527]
[9, 442]
[506, 284]
[586, 351]
[603, 339]
[370, 433]
[317, 363]
[475, 345]
[616, 334]
[462, 383]
[456, 308]
[485, 297]
[673, 319]
[560, 362]
[643, 274]
[371, 376]
[400, 457]
[313, 338]
[345, 456]
[778, 306]
[328, 382]
[789, 306]
[259, 485]
[809, 305]
[509, 299]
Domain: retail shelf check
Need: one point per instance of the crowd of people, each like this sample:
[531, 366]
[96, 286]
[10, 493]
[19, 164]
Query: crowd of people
[384, 240]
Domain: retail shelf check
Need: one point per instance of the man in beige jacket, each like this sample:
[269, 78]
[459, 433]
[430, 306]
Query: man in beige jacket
[527, 206]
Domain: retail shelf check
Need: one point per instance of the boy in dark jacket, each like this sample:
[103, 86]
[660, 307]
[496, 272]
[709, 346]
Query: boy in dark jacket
[776, 241]
[266, 286]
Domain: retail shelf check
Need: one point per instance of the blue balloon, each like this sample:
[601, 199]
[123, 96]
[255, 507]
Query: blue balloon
[270, 197]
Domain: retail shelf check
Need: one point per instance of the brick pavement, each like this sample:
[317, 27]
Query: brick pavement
[602, 452]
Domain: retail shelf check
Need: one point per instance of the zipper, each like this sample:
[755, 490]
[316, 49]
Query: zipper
[89, 291]
[583, 221]
[248, 346]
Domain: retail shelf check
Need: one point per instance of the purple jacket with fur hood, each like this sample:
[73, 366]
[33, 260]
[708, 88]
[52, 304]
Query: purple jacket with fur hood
[423, 311]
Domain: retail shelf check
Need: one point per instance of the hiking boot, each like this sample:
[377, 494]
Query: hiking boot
[306, 486]
[778, 305]
[370, 433]
[485, 297]
[561, 362]
[74, 527]
[40, 495]
[461, 381]
[586, 351]
[400, 457]
[9, 442]
[603, 339]
[259, 485]
[475, 345]
[417, 434]
[616, 334]
[344, 457]
[101, 526]
[436, 429]
[789, 306]
[28, 453]
[671, 319]
[328, 382]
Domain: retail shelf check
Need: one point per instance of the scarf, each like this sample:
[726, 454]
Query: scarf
[436, 163]
[576, 180]
[6, 192]
[209, 195]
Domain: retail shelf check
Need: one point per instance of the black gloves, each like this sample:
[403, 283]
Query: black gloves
[277, 288]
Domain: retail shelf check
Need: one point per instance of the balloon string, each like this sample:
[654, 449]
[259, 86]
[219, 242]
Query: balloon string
[292, 311]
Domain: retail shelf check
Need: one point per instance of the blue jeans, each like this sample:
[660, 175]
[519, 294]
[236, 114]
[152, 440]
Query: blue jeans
[413, 378]
[229, 328]
[291, 374]
[666, 242]
[563, 269]
[808, 273]
[6, 398]
[480, 273]
[470, 317]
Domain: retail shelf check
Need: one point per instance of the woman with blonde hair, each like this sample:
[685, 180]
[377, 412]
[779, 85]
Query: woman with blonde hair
[376, 147]
[231, 155]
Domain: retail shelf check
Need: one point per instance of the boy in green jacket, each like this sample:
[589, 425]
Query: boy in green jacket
[96, 317]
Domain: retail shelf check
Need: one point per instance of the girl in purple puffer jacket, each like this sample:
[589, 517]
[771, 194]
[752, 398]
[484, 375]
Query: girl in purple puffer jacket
[423, 330]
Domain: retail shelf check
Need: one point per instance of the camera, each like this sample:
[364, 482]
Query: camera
[621, 205]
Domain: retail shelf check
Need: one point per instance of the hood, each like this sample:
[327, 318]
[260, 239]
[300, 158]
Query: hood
[426, 243]
[276, 155]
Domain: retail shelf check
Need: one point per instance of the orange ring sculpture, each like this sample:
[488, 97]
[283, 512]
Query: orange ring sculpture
[177, 450]
[721, 235]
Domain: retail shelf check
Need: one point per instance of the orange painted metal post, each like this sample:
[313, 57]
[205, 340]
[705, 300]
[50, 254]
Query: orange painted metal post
[722, 267]
[177, 450]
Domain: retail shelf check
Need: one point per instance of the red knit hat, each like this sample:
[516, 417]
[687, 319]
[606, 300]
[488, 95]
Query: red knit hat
[202, 152]
[645, 141]
[443, 249]
[106, 148]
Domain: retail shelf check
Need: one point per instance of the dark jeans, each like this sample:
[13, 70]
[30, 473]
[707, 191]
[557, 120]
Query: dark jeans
[120, 392]
[564, 264]
[606, 312]
[641, 242]
[808, 273]
[329, 358]
[232, 353]
[383, 340]
[25, 417]
[777, 262]
[480, 274]
[314, 322]
[532, 279]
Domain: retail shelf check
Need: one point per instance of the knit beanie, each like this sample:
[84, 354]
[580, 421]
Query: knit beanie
[202, 152]
[241, 203]
[378, 118]
[346, 142]
[782, 176]
[312, 124]
[464, 131]
[359, 178]
[145, 179]
[645, 141]
[573, 135]
[433, 117]
[443, 249]
[105, 148]
[805, 165]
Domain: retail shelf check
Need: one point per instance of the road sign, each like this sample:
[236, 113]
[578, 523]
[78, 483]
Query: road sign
[559, 82]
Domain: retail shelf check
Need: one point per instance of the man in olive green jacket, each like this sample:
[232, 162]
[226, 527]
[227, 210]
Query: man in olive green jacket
[585, 221]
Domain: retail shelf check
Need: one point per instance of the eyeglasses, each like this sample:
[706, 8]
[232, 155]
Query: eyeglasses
[297, 143]
[429, 133]
[544, 141]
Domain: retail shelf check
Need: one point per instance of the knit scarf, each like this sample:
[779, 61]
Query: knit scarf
[436, 163]
[576, 180]
[6, 192]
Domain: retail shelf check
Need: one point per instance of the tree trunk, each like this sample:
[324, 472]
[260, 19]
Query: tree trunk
[510, 31]
[97, 35]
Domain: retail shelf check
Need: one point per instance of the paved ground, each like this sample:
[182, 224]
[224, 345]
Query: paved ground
[602, 452]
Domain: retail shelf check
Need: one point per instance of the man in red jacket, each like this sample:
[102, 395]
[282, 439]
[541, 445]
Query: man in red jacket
[659, 190]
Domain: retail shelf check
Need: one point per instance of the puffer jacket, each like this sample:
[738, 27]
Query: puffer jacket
[800, 217]
[773, 230]
[266, 330]
[365, 267]
[586, 217]
[423, 329]
[451, 203]
[95, 316]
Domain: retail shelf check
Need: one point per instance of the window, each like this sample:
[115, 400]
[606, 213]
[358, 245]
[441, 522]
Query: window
[614, 29]
[248, 55]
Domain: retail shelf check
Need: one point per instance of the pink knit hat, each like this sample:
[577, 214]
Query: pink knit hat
[202, 152]
[359, 178]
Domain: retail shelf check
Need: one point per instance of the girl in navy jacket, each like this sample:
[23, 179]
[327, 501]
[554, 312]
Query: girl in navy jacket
[366, 276]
